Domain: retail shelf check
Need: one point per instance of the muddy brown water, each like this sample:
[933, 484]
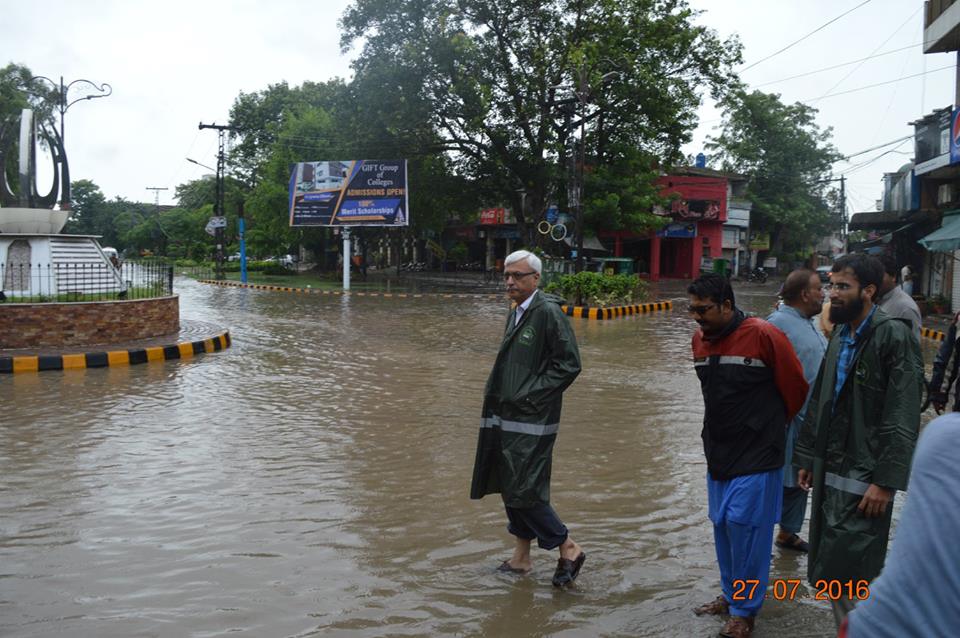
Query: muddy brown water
[312, 480]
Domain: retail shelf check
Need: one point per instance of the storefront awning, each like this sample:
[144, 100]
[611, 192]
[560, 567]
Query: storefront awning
[589, 243]
[946, 238]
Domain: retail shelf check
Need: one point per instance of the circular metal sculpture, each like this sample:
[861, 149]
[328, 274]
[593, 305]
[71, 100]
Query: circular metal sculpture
[24, 209]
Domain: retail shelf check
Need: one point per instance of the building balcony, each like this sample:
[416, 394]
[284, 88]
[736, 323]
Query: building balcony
[941, 26]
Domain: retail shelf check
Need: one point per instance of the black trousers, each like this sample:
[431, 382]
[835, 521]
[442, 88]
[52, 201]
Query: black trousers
[540, 522]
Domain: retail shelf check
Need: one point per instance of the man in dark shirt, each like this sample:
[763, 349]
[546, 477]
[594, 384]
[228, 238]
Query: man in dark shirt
[753, 385]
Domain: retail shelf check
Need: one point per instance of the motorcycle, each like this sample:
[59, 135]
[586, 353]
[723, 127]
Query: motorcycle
[757, 275]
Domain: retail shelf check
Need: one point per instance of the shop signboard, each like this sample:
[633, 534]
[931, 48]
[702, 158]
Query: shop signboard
[678, 230]
[759, 241]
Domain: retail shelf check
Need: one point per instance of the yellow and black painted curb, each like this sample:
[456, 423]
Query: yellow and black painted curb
[114, 358]
[354, 293]
[929, 333]
[586, 312]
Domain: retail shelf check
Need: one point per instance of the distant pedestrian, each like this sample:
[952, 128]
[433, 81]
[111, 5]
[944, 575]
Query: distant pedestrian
[906, 279]
[859, 433]
[802, 300]
[946, 361]
[752, 385]
[894, 300]
[537, 361]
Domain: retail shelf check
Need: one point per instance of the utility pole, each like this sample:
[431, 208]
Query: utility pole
[156, 191]
[218, 205]
[843, 210]
[156, 200]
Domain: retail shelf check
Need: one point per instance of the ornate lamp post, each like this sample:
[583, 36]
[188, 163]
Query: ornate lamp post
[63, 105]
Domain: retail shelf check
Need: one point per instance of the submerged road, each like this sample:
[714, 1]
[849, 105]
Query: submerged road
[313, 480]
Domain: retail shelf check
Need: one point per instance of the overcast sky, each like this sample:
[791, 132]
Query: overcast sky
[173, 64]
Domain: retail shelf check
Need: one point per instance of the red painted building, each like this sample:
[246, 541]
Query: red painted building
[694, 234]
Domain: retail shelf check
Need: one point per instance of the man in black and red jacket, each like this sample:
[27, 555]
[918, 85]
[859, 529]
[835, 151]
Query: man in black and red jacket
[753, 385]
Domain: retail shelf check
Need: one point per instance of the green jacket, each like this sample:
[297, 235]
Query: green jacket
[867, 437]
[537, 360]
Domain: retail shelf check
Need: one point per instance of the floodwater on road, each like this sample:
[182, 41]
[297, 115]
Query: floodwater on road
[313, 480]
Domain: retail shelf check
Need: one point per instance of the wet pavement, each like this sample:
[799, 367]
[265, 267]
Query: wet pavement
[313, 480]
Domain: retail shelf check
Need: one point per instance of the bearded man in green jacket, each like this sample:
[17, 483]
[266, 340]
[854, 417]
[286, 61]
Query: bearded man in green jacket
[858, 438]
[538, 359]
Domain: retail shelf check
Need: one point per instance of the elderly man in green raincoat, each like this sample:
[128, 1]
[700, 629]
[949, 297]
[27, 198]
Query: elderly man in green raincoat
[538, 359]
[858, 438]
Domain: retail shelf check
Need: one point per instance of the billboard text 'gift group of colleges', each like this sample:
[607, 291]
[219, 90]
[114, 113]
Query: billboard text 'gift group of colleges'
[351, 193]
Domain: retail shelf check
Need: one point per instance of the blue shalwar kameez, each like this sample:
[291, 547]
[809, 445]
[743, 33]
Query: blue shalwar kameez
[744, 511]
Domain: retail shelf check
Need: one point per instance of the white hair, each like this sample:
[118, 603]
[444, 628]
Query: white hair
[520, 255]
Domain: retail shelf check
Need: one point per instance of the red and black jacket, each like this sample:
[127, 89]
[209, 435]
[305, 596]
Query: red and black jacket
[753, 385]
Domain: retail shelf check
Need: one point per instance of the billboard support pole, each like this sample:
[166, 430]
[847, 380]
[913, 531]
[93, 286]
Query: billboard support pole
[346, 259]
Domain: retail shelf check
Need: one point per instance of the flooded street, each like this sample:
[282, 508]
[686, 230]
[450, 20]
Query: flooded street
[313, 480]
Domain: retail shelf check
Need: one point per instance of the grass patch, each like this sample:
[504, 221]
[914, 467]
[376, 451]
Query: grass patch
[302, 280]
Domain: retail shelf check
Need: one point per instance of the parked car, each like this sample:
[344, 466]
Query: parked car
[824, 272]
[284, 260]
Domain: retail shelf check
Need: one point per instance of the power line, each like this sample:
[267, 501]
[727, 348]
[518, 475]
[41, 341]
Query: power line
[871, 86]
[890, 37]
[836, 66]
[826, 24]
[857, 167]
[874, 148]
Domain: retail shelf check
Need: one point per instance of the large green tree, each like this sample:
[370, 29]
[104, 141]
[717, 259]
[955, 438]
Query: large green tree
[505, 84]
[280, 125]
[788, 159]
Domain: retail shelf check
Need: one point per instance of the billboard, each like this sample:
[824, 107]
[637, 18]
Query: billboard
[349, 193]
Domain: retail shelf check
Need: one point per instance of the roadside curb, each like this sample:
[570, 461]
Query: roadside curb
[354, 293]
[930, 333]
[586, 312]
[114, 358]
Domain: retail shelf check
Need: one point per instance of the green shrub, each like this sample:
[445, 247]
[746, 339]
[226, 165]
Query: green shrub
[458, 253]
[598, 289]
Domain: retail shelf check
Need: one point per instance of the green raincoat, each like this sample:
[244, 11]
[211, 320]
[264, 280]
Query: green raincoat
[537, 360]
[867, 437]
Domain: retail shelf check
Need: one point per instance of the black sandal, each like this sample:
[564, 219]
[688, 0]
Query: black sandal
[568, 570]
[795, 543]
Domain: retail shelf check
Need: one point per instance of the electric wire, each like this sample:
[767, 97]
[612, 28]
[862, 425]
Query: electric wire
[836, 66]
[873, 86]
[880, 46]
[795, 42]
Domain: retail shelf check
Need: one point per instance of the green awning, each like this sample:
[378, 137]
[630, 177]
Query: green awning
[946, 238]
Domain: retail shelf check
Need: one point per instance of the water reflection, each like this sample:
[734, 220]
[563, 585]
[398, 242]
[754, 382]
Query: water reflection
[313, 480]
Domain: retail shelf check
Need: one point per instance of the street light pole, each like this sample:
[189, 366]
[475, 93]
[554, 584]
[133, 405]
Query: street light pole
[62, 106]
[582, 96]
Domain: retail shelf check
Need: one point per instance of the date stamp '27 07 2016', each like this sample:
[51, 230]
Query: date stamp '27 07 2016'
[787, 588]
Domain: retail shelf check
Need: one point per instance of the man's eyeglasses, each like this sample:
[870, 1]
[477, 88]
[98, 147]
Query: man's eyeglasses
[517, 276]
[700, 310]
